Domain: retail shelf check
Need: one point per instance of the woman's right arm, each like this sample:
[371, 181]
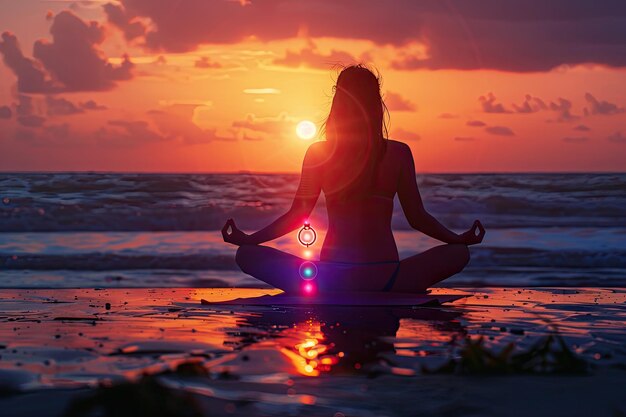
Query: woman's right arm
[416, 214]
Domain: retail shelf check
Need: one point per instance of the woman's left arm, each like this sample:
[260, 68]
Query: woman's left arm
[303, 203]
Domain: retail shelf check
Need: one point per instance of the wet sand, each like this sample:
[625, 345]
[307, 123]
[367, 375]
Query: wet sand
[59, 345]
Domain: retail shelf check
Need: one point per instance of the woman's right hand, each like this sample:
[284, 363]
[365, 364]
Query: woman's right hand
[471, 237]
[232, 234]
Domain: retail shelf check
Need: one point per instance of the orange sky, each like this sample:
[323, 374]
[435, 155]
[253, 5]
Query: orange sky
[212, 102]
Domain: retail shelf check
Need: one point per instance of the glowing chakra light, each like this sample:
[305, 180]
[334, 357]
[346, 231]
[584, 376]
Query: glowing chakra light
[308, 271]
[306, 235]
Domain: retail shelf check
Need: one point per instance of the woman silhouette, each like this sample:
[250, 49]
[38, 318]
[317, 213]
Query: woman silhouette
[360, 171]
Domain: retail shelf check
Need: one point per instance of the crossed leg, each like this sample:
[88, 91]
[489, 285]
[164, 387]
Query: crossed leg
[415, 274]
[282, 270]
[419, 272]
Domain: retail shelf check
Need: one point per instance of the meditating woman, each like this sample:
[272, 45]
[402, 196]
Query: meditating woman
[360, 171]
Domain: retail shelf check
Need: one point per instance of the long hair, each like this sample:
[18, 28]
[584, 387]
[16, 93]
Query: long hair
[356, 129]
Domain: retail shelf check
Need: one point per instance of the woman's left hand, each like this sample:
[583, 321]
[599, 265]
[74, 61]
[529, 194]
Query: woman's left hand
[236, 236]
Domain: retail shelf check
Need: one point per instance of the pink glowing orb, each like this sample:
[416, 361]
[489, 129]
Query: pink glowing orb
[308, 288]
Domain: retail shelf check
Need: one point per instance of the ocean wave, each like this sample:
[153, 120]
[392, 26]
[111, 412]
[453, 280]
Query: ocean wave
[482, 257]
[187, 202]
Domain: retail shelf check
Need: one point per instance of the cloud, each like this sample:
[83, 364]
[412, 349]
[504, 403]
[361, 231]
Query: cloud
[5, 112]
[278, 127]
[564, 109]
[311, 57]
[24, 105]
[27, 113]
[530, 105]
[92, 105]
[31, 77]
[63, 107]
[56, 134]
[576, 139]
[475, 123]
[405, 135]
[205, 62]
[70, 62]
[175, 122]
[395, 102]
[499, 131]
[261, 91]
[117, 16]
[464, 138]
[489, 105]
[448, 116]
[127, 133]
[582, 128]
[31, 120]
[601, 106]
[247, 137]
[517, 35]
[617, 137]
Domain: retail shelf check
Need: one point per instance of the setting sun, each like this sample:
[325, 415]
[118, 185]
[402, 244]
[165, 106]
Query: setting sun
[306, 129]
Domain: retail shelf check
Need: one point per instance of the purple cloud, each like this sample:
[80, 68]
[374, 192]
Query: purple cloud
[5, 112]
[31, 120]
[563, 107]
[499, 131]
[530, 105]
[489, 105]
[92, 105]
[117, 16]
[279, 127]
[205, 62]
[406, 135]
[576, 139]
[61, 107]
[518, 35]
[175, 123]
[475, 123]
[582, 128]
[395, 102]
[127, 133]
[31, 77]
[70, 62]
[601, 106]
[617, 137]
[311, 57]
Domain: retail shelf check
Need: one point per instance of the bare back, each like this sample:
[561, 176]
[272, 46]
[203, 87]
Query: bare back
[359, 231]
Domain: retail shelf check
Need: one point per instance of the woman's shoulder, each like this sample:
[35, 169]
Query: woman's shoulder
[317, 149]
[396, 144]
[398, 148]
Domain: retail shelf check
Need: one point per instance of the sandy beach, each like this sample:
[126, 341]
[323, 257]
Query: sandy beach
[61, 347]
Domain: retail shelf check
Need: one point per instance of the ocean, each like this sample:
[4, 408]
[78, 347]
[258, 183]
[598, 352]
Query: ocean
[86, 230]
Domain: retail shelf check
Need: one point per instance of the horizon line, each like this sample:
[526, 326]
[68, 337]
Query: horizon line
[2, 172]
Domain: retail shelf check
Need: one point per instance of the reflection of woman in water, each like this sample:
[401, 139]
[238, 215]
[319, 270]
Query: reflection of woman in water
[356, 338]
[360, 172]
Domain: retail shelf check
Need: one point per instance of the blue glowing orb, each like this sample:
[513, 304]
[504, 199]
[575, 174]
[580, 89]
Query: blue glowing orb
[308, 270]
